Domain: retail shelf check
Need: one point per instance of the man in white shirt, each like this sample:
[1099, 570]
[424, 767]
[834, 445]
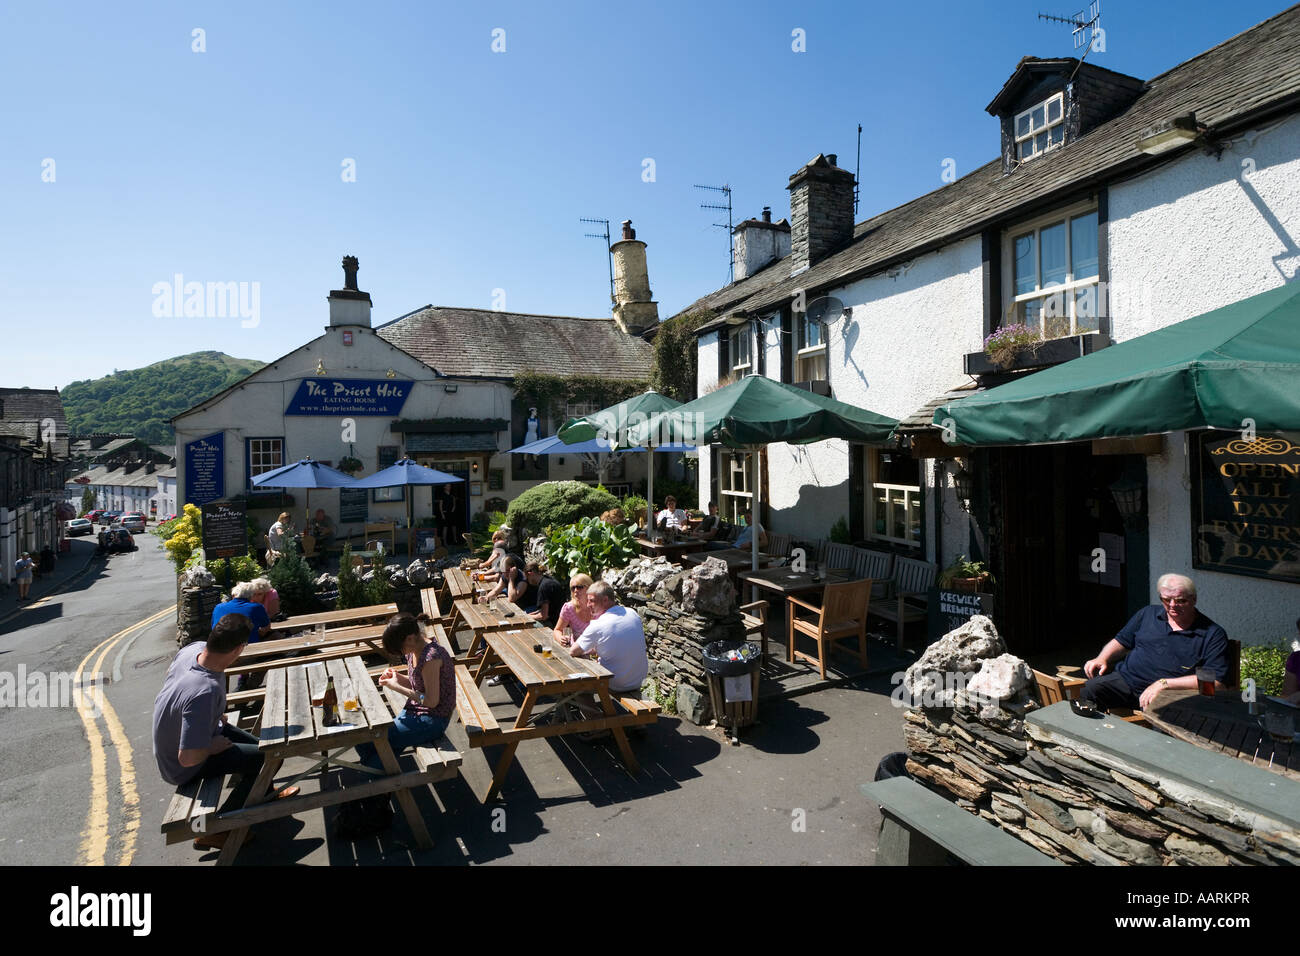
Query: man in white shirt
[616, 636]
[672, 518]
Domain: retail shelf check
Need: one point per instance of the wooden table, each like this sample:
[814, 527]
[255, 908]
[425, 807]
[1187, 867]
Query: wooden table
[1221, 723]
[336, 642]
[459, 583]
[484, 618]
[560, 676]
[673, 551]
[291, 727]
[352, 615]
[735, 559]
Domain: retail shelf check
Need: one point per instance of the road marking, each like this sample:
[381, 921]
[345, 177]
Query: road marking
[94, 839]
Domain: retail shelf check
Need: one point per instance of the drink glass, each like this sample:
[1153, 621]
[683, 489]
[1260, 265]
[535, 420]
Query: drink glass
[1205, 682]
[351, 703]
[546, 651]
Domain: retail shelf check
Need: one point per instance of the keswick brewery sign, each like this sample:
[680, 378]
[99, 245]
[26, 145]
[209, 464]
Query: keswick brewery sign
[348, 396]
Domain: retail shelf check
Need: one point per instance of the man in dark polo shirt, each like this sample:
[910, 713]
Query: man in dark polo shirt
[1162, 646]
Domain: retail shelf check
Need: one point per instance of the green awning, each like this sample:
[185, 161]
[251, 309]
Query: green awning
[1213, 371]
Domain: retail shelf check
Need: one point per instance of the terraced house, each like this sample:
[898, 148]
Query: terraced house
[1115, 206]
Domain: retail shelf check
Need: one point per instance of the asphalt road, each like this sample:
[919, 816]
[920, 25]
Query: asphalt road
[71, 795]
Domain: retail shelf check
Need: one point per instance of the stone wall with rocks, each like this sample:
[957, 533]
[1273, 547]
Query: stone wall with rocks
[197, 596]
[968, 740]
[682, 611]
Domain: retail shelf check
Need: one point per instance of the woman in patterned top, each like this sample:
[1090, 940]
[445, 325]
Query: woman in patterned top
[429, 684]
[575, 615]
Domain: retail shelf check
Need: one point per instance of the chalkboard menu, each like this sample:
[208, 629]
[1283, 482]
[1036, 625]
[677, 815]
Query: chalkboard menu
[225, 530]
[353, 506]
[949, 609]
[205, 463]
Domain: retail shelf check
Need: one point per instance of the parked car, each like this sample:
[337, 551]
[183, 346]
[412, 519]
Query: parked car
[133, 521]
[108, 517]
[79, 526]
[170, 517]
[93, 516]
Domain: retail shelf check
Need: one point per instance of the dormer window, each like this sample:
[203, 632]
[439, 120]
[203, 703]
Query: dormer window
[1040, 128]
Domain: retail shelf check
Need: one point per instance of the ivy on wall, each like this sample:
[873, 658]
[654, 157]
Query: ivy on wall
[553, 392]
[676, 355]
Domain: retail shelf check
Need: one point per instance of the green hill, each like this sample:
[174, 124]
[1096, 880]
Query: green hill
[142, 401]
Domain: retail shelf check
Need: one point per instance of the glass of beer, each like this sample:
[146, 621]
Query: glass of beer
[1205, 682]
[351, 702]
[546, 651]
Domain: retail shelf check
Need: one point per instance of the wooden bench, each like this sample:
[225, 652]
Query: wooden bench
[876, 565]
[910, 585]
[920, 828]
[191, 806]
[473, 709]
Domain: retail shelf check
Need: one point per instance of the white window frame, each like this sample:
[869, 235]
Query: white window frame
[743, 333]
[734, 491]
[580, 409]
[1014, 313]
[809, 359]
[910, 494]
[254, 471]
[1030, 137]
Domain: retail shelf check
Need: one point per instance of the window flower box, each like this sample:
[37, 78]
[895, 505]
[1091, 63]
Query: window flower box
[1040, 355]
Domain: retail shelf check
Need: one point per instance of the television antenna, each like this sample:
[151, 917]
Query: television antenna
[857, 177]
[608, 250]
[1089, 26]
[731, 242]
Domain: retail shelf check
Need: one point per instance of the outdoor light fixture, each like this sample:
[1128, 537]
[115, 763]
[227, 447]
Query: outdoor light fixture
[1128, 499]
[474, 467]
[320, 366]
[390, 374]
[1169, 134]
[449, 389]
[965, 487]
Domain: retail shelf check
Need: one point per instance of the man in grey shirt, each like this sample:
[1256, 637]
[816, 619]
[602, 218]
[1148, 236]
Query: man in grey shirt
[191, 739]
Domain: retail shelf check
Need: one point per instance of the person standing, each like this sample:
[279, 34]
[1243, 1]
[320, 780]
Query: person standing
[23, 569]
[448, 516]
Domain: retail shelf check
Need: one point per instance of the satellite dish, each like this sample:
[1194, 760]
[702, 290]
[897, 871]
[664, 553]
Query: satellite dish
[825, 310]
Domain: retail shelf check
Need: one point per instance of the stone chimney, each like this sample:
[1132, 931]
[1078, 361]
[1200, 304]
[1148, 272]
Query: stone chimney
[821, 212]
[758, 243]
[349, 305]
[635, 310]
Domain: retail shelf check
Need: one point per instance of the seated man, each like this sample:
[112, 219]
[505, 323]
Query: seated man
[744, 539]
[616, 636]
[248, 598]
[322, 529]
[671, 518]
[190, 736]
[1162, 646]
[550, 596]
[494, 563]
[512, 583]
[710, 525]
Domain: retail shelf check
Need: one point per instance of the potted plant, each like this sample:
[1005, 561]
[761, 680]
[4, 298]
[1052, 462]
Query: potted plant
[1006, 343]
[349, 465]
[966, 576]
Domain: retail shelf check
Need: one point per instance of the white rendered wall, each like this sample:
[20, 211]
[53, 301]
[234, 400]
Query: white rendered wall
[902, 345]
[1190, 237]
[706, 376]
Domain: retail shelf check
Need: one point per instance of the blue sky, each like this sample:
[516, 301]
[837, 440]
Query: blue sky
[472, 167]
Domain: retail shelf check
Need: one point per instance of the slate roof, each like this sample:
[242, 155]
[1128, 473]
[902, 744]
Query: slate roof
[1243, 79]
[923, 418]
[481, 343]
[23, 410]
[119, 478]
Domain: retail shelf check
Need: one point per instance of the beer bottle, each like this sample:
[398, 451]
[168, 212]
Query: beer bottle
[331, 705]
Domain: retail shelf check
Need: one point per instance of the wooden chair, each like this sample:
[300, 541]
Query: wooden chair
[380, 530]
[843, 614]
[1053, 689]
[778, 545]
[756, 622]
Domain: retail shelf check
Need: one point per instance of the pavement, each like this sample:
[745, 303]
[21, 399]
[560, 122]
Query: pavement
[69, 569]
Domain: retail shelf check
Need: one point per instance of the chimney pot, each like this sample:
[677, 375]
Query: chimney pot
[830, 158]
[350, 266]
[628, 231]
[767, 213]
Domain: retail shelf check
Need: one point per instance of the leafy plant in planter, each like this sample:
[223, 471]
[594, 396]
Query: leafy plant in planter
[1006, 343]
[964, 575]
[1264, 663]
[349, 465]
[588, 547]
[352, 592]
[840, 532]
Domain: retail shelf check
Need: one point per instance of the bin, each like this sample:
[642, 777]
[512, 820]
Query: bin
[733, 714]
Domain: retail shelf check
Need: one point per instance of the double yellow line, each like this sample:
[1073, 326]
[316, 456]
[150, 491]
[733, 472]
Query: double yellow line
[94, 837]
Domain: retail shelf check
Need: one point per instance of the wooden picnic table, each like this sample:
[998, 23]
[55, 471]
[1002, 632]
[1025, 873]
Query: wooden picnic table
[672, 550]
[336, 642]
[459, 583]
[1221, 723]
[352, 615]
[560, 676]
[483, 618]
[291, 727]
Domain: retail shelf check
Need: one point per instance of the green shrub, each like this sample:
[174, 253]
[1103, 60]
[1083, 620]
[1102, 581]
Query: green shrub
[496, 519]
[377, 589]
[167, 528]
[352, 592]
[1264, 664]
[840, 532]
[557, 503]
[293, 579]
[686, 493]
[588, 547]
[243, 567]
[634, 507]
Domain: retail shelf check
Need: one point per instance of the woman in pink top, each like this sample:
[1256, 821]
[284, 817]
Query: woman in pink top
[575, 615]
